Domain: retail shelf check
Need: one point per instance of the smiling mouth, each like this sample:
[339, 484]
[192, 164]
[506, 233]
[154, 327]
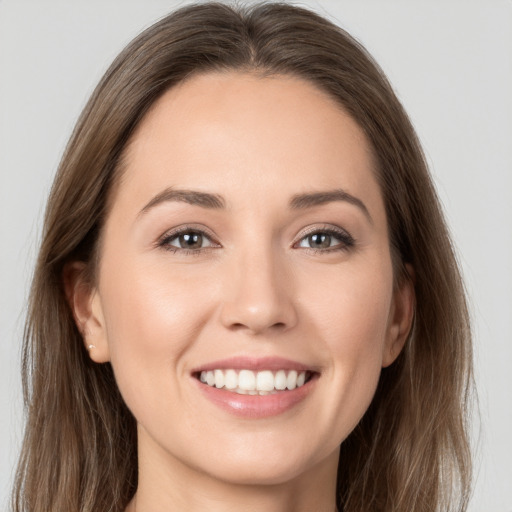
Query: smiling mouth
[248, 382]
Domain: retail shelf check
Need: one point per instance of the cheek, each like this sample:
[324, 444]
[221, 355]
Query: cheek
[351, 317]
[351, 307]
[161, 302]
[151, 320]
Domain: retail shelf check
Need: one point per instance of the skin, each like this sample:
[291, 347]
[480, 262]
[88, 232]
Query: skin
[259, 289]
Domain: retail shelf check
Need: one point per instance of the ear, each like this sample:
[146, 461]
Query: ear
[401, 317]
[85, 303]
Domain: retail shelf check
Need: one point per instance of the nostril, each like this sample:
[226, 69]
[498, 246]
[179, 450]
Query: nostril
[258, 327]
[258, 305]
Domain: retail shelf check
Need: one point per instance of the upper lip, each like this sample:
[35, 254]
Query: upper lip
[255, 364]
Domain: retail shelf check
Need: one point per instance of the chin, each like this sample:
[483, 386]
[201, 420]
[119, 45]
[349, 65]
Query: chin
[260, 472]
[266, 463]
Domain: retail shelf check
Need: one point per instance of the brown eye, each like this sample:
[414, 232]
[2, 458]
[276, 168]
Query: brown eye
[319, 241]
[327, 240]
[187, 240]
[190, 240]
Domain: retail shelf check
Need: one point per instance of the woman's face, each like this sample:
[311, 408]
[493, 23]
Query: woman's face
[247, 247]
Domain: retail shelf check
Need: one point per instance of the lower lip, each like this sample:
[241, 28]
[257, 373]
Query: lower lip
[256, 406]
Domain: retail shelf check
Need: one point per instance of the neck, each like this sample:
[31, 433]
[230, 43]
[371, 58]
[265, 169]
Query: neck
[168, 485]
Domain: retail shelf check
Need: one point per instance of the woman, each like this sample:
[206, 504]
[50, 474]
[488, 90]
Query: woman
[246, 295]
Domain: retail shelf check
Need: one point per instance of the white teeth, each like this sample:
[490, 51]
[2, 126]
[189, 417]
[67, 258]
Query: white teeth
[231, 379]
[280, 381]
[291, 381]
[219, 378]
[247, 382]
[265, 381]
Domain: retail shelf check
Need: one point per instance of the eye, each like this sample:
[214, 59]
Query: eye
[327, 240]
[190, 240]
[187, 240]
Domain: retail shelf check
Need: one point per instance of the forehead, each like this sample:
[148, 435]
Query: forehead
[237, 132]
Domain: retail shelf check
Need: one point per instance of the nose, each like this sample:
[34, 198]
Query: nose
[258, 294]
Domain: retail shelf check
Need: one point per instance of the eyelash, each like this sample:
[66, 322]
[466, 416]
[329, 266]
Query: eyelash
[346, 240]
[164, 242]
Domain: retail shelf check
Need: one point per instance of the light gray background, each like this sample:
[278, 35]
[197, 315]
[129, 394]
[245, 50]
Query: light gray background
[451, 64]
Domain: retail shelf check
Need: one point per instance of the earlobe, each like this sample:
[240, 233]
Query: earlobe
[402, 316]
[85, 303]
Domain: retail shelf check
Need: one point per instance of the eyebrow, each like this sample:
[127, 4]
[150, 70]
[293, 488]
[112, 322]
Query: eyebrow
[217, 202]
[194, 197]
[302, 201]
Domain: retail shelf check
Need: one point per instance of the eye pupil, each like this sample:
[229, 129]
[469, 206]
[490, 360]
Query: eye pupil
[320, 240]
[191, 240]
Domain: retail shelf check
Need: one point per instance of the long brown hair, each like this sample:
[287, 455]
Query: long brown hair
[410, 451]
